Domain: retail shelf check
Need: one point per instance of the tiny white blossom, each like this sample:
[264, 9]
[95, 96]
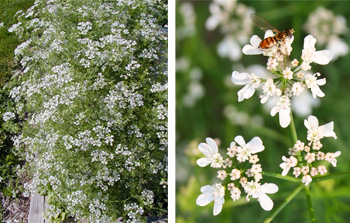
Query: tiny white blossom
[256, 190]
[306, 179]
[309, 53]
[283, 108]
[316, 132]
[287, 164]
[215, 193]
[210, 149]
[331, 158]
[269, 89]
[246, 150]
[235, 174]
[313, 83]
[251, 82]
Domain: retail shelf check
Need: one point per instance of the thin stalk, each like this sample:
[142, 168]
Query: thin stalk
[306, 188]
[284, 203]
[330, 176]
[292, 128]
[279, 176]
[309, 204]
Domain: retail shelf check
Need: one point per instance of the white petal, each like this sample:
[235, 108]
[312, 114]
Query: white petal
[212, 144]
[323, 57]
[285, 168]
[321, 82]
[265, 202]
[269, 188]
[207, 189]
[268, 33]
[274, 111]
[203, 200]
[336, 154]
[249, 91]
[202, 162]
[316, 91]
[245, 93]
[284, 117]
[240, 140]
[255, 41]
[240, 78]
[264, 99]
[250, 50]
[205, 149]
[312, 122]
[328, 130]
[309, 42]
[255, 145]
[218, 205]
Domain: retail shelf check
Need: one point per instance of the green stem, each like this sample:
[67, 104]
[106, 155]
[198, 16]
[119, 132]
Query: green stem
[309, 204]
[284, 203]
[279, 176]
[330, 176]
[292, 128]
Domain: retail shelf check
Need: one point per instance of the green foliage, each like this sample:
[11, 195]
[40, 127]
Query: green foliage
[9, 159]
[91, 90]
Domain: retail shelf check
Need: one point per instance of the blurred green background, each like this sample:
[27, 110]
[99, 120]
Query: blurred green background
[207, 106]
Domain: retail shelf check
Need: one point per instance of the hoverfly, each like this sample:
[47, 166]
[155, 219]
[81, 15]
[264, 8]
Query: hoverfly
[265, 25]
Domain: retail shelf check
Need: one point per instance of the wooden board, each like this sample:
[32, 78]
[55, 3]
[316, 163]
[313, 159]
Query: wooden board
[37, 208]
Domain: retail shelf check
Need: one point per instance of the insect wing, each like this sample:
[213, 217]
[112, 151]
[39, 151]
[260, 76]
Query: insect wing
[262, 23]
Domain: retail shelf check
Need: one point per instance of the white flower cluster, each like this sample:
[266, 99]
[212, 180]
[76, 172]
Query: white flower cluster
[231, 17]
[328, 28]
[92, 93]
[287, 78]
[236, 168]
[7, 116]
[303, 157]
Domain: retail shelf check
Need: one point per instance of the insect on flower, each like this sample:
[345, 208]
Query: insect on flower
[265, 25]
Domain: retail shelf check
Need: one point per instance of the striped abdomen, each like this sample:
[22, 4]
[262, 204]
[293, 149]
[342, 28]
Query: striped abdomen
[268, 42]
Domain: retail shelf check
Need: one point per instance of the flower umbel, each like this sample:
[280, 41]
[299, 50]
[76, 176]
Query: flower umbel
[243, 170]
[310, 156]
[288, 78]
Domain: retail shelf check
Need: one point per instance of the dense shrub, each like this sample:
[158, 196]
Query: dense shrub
[92, 90]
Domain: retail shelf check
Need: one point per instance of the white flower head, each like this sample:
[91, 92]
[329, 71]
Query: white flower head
[216, 193]
[287, 164]
[251, 82]
[269, 89]
[309, 53]
[283, 108]
[331, 158]
[210, 149]
[316, 132]
[256, 190]
[247, 149]
[306, 179]
[313, 83]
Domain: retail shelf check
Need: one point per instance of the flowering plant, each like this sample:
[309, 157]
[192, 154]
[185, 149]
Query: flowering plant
[286, 78]
[92, 93]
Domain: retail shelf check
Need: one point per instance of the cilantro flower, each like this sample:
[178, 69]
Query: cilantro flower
[309, 54]
[251, 82]
[283, 108]
[247, 149]
[256, 190]
[215, 193]
[316, 132]
[210, 149]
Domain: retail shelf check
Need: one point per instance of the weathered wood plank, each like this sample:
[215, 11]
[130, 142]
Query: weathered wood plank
[37, 208]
